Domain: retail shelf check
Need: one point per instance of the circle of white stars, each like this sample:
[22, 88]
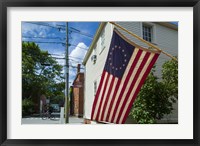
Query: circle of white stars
[110, 58]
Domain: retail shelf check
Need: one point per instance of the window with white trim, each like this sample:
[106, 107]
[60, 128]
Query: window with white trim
[147, 32]
[95, 50]
[102, 40]
[95, 87]
[94, 56]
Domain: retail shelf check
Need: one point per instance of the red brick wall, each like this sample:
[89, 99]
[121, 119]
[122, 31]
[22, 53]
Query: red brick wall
[78, 96]
[76, 100]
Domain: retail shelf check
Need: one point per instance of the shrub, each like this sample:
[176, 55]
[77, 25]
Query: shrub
[27, 106]
[156, 97]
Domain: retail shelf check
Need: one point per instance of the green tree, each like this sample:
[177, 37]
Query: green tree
[41, 74]
[27, 106]
[156, 97]
[170, 78]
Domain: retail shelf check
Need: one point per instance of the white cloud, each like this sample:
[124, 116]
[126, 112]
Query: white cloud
[76, 56]
[60, 61]
[78, 53]
[32, 29]
[29, 29]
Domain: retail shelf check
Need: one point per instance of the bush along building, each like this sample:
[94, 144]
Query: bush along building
[162, 34]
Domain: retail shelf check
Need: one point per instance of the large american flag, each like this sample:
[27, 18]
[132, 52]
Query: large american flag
[126, 68]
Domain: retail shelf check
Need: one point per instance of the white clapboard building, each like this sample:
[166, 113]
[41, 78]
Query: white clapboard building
[162, 34]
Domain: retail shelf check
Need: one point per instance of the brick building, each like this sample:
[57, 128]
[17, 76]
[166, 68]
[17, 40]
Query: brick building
[77, 94]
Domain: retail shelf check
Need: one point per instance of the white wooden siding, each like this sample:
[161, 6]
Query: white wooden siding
[166, 39]
[93, 71]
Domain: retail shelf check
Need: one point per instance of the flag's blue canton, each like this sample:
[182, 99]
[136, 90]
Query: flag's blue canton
[119, 55]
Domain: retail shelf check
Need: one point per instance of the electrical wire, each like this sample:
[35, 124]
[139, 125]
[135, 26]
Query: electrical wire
[62, 27]
[45, 42]
[91, 37]
[75, 67]
[78, 46]
[55, 54]
[56, 43]
[75, 57]
[68, 56]
[45, 24]
[43, 37]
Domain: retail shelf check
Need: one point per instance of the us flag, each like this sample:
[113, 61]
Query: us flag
[126, 68]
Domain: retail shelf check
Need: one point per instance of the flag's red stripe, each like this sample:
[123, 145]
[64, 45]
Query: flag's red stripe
[104, 89]
[146, 57]
[139, 86]
[97, 95]
[126, 81]
[113, 98]
[107, 98]
[133, 82]
[108, 85]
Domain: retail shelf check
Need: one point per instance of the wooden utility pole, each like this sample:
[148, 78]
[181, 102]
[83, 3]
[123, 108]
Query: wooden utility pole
[67, 77]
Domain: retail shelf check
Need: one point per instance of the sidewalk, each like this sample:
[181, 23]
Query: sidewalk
[76, 120]
[39, 120]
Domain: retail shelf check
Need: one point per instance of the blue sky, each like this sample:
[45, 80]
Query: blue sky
[80, 38]
[51, 36]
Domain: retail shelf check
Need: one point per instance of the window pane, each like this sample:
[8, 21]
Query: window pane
[150, 35]
[95, 87]
[103, 39]
[147, 33]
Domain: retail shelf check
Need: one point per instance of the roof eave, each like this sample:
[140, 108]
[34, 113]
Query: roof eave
[168, 25]
[98, 32]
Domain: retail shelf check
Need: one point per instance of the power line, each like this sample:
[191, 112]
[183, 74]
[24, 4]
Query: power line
[45, 42]
[78, 46]
[75, 57]
[75, 61]
[63, 54]
[75, 67]
[77, 30]
[56, 43]
[56, 54]
[64, 58]
[57, 58]
[82, 33]
[43, 37]
[45, 24]
[62, 27]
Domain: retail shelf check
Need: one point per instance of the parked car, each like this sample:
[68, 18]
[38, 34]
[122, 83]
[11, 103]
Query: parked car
[55, 107]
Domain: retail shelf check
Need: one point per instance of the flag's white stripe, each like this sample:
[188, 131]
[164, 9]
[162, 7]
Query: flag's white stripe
[110, 98]
[106, 92]
[135, 86]
[122, 81]
[99, 97]
[132, 77]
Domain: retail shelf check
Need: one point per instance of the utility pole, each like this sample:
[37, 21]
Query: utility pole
[67, 78]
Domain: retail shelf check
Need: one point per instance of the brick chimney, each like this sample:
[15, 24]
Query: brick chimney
[78, 68]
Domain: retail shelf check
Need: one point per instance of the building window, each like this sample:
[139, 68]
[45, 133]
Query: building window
[102, 40]
[94, 56]
[95, 50]
[95, 87]
[147, 32]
